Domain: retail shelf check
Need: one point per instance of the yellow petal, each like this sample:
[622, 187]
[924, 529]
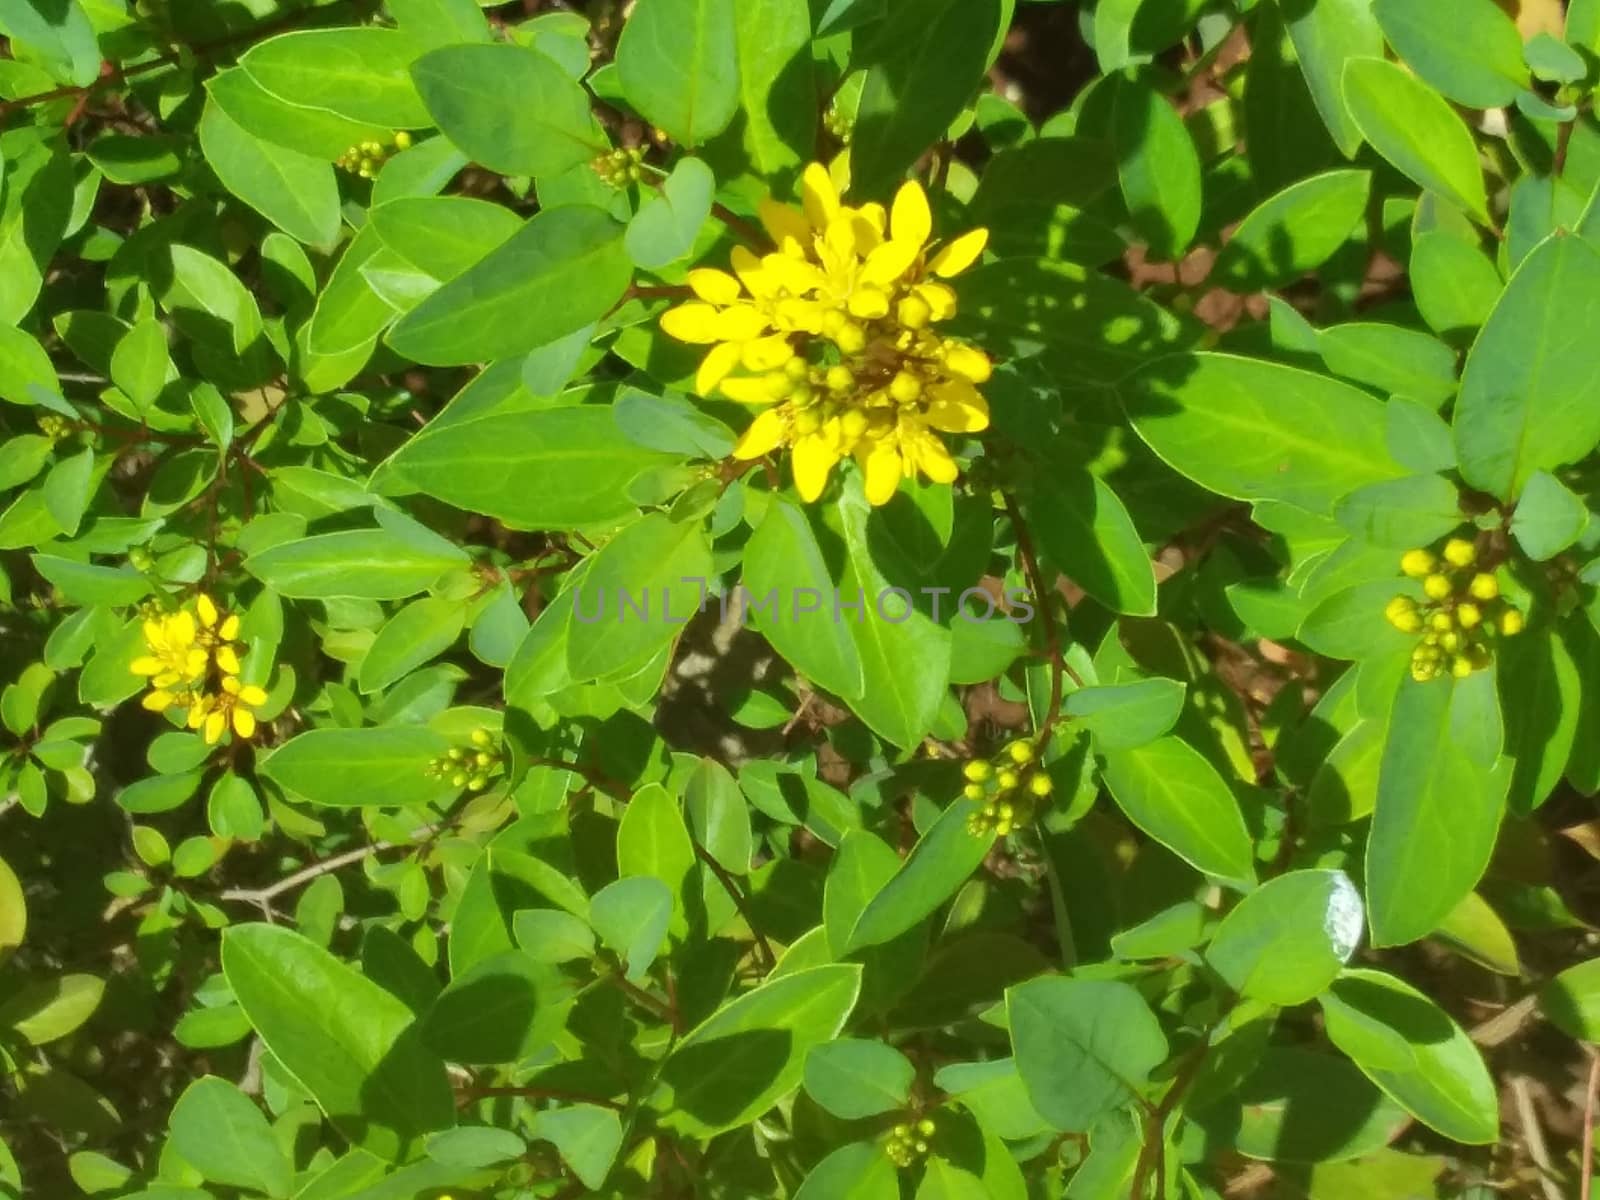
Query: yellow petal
[155, 635]
[158, 700]
[801, 316]
[870, 218]
[227, 660]
[869, 303]
[252, 695]
[813, 459]
[167, 679]
[230, 628]
[694, 322]
[215, 724]
[909, 219]
[959, 254]
[883, 470]
[933, 459]
[231, 685]
[791, 274]
[194, 663]
[967, 361]
[957, 407]
[740, 323]
[181, 630]
[146, 665]
[941, 301]
[767, 353]
[244, 722]
[207, 609]
[764, 436]
[748, 268]
[197, 712]
[889, 262]
[818, 195]
[783, 223]
[714, 368]
[715, 287]
[747, 389]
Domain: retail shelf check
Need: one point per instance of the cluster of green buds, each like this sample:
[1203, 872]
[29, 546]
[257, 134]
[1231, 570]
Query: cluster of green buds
[366, 158]
[620, 167]
[1460, 613]
[1009, 787]
[839, 123]
[140, 558]
[469, 766]
[54, 426]
[908, 1142]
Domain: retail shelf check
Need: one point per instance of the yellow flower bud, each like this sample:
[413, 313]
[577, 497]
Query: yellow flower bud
[925, 1127]
[1468, 614]
[977, 770]
[1040, 784]
[1020, 751]
[853, 424]
[1460, 666]
[973, 791]
[807, 421]
[1003, 828]
[480, 737]
[402, 140]
[1007, 779]
[1417, 563]
[1459, 552]
[1449, 642]
[1422, 672]
[459, 779]
[1436, 587]
[914, 312]
[796, 368]
[1443, 622]
[905, 387]
[839, 379]
[1511, 622]
[851, 338]
[1484, 587]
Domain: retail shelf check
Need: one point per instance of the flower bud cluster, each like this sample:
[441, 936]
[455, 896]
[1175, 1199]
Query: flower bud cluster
[367, 158]
[1010, 786]
[1460, 615]
[909, 1141]
[620, 167]
[471, 766]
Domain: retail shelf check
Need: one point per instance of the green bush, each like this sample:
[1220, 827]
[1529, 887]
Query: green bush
[798, 598]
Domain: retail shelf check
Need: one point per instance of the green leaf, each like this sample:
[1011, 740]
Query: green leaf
[13, 911]
[1572, 1001]
[1294, 231]
[1530, 397]
[553, 468]
[1158, 166]
[586, 1136]
[922, 64]
[854, 1078]
[1390, 359]
[1411, 1049]
[904, 653]
[223, 1135]
[361, 74]
[42, 1012]
[68, 488]
[653, 840]
[564, 269]
[440, 22]
[1122, 716]
[784, 560]
[667, 224]
[313, 132]
[1548, 518]
[632, 916]
[1454, 283]
[443, 236]
[1168, 789]
[418, 633]
[1086, 533]
[1327, 34]
[1469, 50]
[1400, 513]
[1257, 430]
[678, 64]
[859, 1171]
[24, 365]
[637, 594]
[774, 129]
[294, 191]
[373, 564]
[1541, 691]
[1299, 1106]
[751, 1052]
[508, 107]
[942, 860]
[1084, 1047]
[1411, 126]
[1438, 810]
[719, 816]
[140, 365]
[348, 1042]
[85, 583]
[1287, 940]
[504, 1008]
[351, 768]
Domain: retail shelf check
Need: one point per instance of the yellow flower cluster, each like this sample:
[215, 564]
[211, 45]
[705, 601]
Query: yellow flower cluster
[468, 768]
[908, 1142]
[1462, 609]
[365, 158]
[193, 661]
[1009, 789]
[831, 336]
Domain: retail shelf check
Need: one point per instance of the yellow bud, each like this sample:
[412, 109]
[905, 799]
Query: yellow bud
[402, 140]
[1436, 587]
[1417, 563]
[458, 779]
[1040, 784]
[1460, 666]
[1003, 828]
[851, 338]
[905, 387]
[1442, 621]
[839, 379]
[973, 791]
[1460, 553]
[1511, 622]
[482, 759]
[796, 368]
[1007, 779]
[853, 424]
[902, 1131]
[457, 753]
[1450, 642]
[480, 737]
[807, 421]
[1020, 751]
[1406, 622]
[977, 770]
[1422, 672]
[1484, 587]
[925, 1126]
[1399, 605]
[914, 312]
[1468, 614]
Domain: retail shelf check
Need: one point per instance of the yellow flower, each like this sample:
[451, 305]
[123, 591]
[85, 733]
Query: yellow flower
[193, 661]
[829, 335]
[174, 656]
[213, 714]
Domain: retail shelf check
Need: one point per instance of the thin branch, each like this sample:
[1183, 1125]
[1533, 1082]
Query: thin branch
[644, 999]
[1052, 633]
[261, 896]
[470, 1094]
[740, 901]
[751, 235]
[1533, 1136]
